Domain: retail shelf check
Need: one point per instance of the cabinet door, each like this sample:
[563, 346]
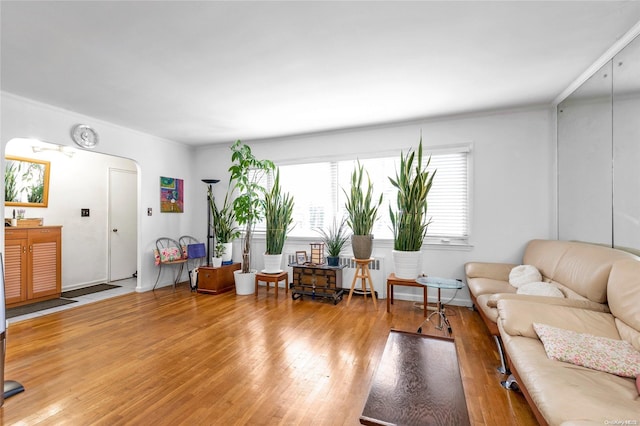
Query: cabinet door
[45, 263]
[15, 270]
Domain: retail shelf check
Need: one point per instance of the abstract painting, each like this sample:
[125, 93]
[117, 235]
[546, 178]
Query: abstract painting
[171, 195]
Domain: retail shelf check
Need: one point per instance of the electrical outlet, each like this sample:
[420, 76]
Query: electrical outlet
[149, 211]
[84, 212]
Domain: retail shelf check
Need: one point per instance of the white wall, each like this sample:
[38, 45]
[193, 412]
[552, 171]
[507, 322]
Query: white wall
[155, 157]
[513, 177]
[512, 174]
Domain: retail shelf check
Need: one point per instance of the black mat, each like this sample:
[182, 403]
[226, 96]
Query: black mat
[38, 306]
[87, 290]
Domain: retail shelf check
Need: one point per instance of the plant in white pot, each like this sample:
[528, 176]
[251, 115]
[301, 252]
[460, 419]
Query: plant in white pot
[334, 240]
[218, 251]
[409, 221]
[362, 212]
[278, 214]
[224, 226]
[247, 173]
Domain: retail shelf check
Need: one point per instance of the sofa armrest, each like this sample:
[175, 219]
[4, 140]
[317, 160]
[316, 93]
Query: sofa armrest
[496, 271]
[516, 318]
[492, 302]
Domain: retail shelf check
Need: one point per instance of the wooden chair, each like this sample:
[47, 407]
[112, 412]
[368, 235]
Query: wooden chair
[169, 252]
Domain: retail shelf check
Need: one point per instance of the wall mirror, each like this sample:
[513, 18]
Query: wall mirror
[598, 154]
[26, 182]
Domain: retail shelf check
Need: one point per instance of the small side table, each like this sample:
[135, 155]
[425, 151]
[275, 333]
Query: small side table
[439, 283]
[392, 280]
[362, 272]
[275, 279]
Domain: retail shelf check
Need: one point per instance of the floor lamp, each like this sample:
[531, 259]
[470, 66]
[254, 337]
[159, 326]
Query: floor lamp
[210, 235]
[11, 387]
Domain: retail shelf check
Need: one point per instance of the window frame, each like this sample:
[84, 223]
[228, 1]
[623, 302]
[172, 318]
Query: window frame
[437, 242]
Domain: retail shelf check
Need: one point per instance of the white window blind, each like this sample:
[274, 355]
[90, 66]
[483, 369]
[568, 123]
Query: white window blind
[318, 193]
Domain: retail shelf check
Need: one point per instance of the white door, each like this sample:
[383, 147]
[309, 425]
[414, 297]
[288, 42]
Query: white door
[123, 191]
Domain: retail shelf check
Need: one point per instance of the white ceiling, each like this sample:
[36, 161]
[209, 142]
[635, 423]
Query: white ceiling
[207, 72]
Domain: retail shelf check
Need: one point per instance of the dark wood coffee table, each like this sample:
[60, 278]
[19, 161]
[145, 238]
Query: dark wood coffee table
[417, 382]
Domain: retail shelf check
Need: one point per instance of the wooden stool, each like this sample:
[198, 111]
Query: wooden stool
[362, 272]
[275, 279]
[392, 280]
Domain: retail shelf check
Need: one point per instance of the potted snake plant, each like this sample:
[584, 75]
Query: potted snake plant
[278, 214]
[409, 221]
[362, 212]
[224, 226]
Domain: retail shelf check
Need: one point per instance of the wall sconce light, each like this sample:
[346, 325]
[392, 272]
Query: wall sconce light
[58, 148]
[317, 253]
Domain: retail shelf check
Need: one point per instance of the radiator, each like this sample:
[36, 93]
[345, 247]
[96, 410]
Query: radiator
[376, 269]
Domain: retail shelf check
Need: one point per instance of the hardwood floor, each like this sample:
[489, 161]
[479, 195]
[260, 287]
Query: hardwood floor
[176, 357]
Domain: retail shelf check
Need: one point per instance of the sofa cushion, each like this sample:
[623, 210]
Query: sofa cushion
[564, 392]
[540, 289]
[598, 353]
[582, 267]
[624, 299]
[524, 274]
[479, 286]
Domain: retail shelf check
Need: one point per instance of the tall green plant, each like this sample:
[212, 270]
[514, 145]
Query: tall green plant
[247, 173]
[410, 221]
[362, 210]
[278, 208]
[223, 226]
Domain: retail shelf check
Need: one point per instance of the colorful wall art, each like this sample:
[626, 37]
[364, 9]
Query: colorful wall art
[171, 195]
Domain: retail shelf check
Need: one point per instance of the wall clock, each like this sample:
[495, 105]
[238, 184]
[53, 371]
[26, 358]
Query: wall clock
[84, 136]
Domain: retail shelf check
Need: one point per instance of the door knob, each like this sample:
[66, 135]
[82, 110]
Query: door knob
[115, 229]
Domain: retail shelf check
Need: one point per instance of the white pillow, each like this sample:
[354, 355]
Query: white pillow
[524, 274]
[540, 289]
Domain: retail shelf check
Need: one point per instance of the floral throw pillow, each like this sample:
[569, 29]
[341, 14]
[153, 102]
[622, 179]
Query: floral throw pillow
[170, 254]
[613, 356]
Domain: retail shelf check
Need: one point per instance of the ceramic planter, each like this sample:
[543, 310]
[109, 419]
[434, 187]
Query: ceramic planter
[228, 252]
[272, 263]
[245, 283]
[407, 264]
[362, 246]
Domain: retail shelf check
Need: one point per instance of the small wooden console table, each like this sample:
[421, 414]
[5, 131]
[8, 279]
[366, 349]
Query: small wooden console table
[216, 280]
[417, 382]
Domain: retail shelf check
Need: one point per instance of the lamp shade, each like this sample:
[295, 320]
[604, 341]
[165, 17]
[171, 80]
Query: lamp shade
[317, 253]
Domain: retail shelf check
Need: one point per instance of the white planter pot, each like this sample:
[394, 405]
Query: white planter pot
[407, 264]
[216, 262]
[245, 283]
[272, 263]
[228, 252]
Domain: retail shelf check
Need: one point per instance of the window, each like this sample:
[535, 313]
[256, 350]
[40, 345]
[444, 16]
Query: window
[318, 192]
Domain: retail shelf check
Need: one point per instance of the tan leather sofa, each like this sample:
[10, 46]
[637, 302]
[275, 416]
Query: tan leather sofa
[580, 270]
[561, 393]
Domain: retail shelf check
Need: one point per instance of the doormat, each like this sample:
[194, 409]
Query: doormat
[38, 306]
[87, 290]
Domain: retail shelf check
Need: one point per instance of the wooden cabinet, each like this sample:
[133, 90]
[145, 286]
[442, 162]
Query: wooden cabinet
[317, 281]
[216, 280]
[33, 264]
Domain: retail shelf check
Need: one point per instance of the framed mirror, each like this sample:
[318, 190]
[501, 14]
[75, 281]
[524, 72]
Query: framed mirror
[26, 182]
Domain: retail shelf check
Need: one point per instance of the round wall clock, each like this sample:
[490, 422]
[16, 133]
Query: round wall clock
[84, 136]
